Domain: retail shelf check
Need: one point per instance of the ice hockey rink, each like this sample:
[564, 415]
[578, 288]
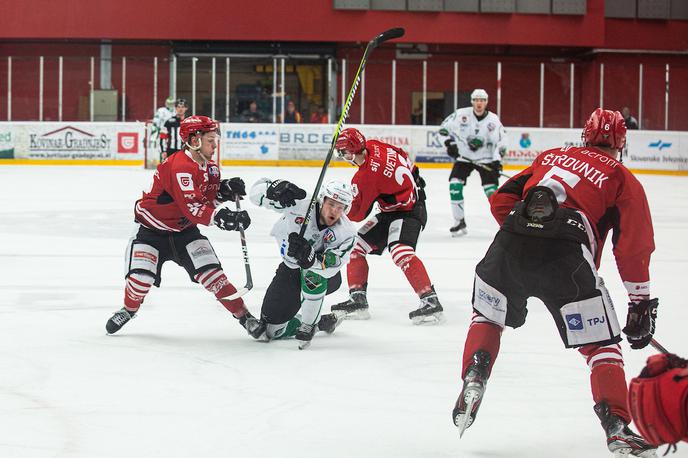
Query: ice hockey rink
[184, 380]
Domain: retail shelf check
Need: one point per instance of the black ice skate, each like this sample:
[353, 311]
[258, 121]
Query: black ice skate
[254, 327]
[459, 229]
[430, 310]
[356, 308]
[621, 440]
[304, 335]
[474, 383]
[119, 319]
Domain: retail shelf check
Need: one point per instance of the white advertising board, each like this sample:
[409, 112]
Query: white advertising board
[71, 140]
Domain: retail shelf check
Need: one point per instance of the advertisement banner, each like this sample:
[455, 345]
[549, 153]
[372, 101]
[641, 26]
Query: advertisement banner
[657, 150]
[71, 140]
[249, 141]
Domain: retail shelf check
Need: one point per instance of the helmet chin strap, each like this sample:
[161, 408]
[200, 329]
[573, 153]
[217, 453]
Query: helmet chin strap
[193, 148]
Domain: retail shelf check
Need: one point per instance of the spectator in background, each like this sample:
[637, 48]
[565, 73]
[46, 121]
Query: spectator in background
[319, 116]
[292, 116]
[252, 113]
[631, 122]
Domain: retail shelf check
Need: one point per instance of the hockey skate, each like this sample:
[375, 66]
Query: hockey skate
[621, 440]
[119, 319]
[459, 229]
[430, 310]
[474, 383]
[329, 322]
[355, 308]
[304, 335]
[255, 327]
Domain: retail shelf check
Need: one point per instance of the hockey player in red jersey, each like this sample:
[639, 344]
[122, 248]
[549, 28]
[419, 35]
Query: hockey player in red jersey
[388, 177]
[187, 191]
[555, 216]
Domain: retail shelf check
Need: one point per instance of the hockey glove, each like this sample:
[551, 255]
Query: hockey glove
[230, 189]
[452, 149]
[301, 250]
[640, 322]
[285, 193]
[229, 220]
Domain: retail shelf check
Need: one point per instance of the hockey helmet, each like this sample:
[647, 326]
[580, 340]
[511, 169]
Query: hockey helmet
[181, 103]
[195, 125]
[350, 141]
[605, 128]
[478, 94]
[337, 191]
[169, 103]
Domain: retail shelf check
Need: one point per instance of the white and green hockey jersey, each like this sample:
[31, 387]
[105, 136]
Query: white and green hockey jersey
[477, 140]
[332, 244]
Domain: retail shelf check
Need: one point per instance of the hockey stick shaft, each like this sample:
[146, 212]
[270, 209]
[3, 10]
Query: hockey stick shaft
[372, 44]
[244, 249]
[658, 346]
[483, 166]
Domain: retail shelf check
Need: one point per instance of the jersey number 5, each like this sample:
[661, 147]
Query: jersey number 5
[571, 179]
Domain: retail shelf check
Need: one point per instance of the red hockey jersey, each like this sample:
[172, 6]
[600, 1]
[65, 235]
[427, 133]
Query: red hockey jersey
[606, 193]
[386, 178]
[183, 194]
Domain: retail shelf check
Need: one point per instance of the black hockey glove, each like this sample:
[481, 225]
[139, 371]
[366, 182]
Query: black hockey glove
[285, 193]
[496, 166]
[229, 220]
[301, 250]
[640, 322]
[230, 189]
[452, 149]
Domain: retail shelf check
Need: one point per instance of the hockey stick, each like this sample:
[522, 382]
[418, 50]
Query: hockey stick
[372, 44]
[658, 346]
[482, 166]
[249, 279]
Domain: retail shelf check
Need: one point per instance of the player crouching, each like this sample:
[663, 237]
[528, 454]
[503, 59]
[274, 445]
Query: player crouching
[186, 191]
[311, 264]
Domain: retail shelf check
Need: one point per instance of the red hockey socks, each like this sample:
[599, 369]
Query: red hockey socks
[215, 281]
[607, 377]
[481, 336]
[405, 258]
[137, 286]
[357, 269]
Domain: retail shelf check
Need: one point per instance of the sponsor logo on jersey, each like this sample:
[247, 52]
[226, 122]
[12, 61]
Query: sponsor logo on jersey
[194, 208]
[299, 220]
[213, 171]
[185, 181]
[145, 255]
[201, 251]
[127, 142]
[574, 321]
[329, 236]
[491, 299]
[464, 119]
[595, 321]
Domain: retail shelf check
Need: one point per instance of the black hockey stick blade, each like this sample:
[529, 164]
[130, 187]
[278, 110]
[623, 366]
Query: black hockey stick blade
[390, 34]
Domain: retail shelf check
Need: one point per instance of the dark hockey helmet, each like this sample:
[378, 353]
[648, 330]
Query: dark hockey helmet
[605, 128]
[195, 125]
[350, 141]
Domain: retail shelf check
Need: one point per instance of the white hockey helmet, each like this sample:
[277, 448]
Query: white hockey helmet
[337, 191]
[479, 94]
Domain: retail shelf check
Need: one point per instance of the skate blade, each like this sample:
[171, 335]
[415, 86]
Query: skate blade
[460, 233]
[357, 315]
[470, 398]
[434, 319]
[304, 344]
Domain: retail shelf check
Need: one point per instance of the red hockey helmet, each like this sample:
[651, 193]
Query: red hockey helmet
[195, 125]
[605, 128]
[350, 141]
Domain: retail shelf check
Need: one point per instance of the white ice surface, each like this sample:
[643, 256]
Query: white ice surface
[184, 380]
